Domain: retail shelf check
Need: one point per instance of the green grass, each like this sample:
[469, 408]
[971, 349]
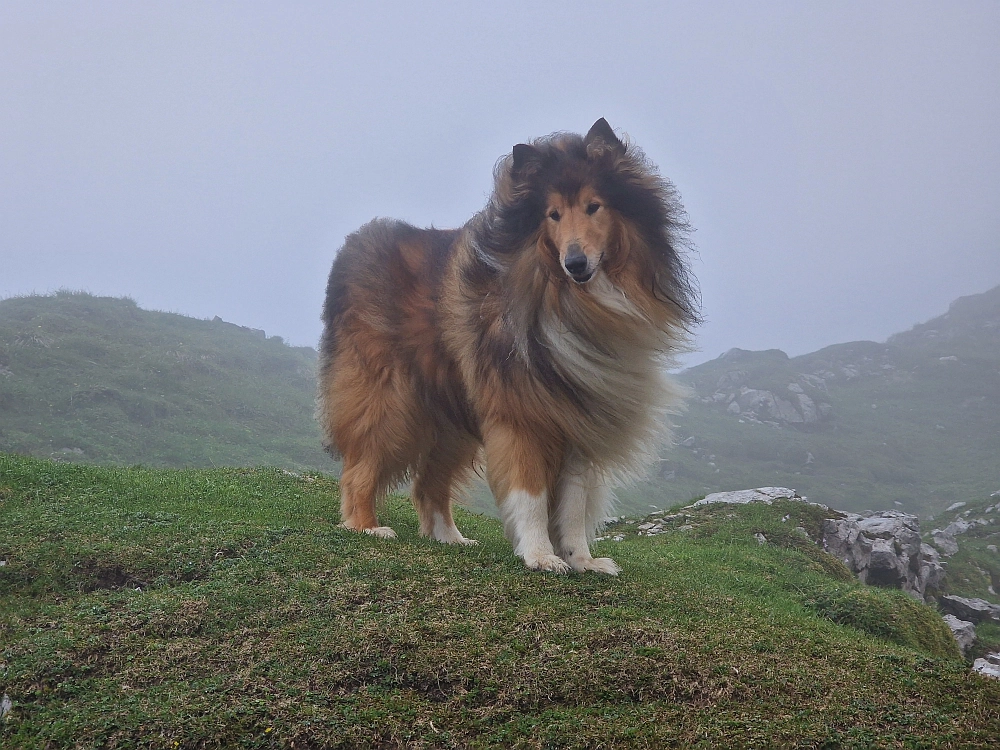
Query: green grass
[97, 379]
[224, 608]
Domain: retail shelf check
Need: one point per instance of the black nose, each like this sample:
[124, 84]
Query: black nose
[576, 261]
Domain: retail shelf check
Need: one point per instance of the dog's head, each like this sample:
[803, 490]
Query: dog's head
[577, 226]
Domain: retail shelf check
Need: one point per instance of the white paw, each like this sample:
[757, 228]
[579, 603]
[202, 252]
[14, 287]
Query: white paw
[548, 563]
[382, 532]
[598, 565]
[466, 541]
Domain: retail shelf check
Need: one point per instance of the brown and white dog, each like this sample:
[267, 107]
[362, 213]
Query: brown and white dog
[538, 333]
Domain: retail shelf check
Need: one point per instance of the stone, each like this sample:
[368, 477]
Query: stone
[944, 542]
[843, 539]
[733, 408]
[964, 631]
[988, 668]
[886, 566]
[973, 610]
[765, 495]
[954, 506]
[808, 408]
[884, 549]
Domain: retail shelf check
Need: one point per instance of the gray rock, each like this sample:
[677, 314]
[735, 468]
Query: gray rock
[944, 542]
[879, 548]
[964, 631]
[973, 610]
[784, 411]
[808, 408]
[733, 408]
[884, 549]
[987, 667]
[843, 539]
[765, 495]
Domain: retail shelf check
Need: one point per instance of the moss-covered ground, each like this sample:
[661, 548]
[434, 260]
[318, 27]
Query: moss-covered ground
[224, 608]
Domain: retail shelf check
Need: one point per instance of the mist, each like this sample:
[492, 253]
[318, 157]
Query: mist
[839, 161]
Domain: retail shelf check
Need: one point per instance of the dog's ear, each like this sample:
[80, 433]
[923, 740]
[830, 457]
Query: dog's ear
[601, 138]
[526, 158]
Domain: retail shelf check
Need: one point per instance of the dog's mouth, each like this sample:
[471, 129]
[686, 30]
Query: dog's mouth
[579, 269]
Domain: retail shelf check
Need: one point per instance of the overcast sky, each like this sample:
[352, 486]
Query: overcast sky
[839, 161]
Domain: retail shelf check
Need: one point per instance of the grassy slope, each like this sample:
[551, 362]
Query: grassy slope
[223, 607]
[100, 380]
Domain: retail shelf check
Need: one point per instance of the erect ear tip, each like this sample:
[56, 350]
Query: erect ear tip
[523, 153]
[601, 131]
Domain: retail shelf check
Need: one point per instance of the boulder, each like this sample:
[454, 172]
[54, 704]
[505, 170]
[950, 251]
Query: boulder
[944, 542]
[765, 495]
[884, 549]
[843, 539]
[973, 610]
[964, 631]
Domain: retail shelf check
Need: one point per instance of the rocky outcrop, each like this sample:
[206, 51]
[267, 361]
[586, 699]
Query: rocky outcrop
[884, 549]
[881, 549]
[766, 495]
[963, 630]
[757, 405]
[973, 610]
[944, 539]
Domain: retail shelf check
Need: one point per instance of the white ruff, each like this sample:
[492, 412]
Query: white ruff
[625, 389]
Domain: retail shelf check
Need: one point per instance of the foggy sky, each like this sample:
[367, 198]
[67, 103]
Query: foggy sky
[840, 162]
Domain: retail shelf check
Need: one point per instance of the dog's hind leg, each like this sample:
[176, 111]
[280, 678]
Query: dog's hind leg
[519, 478]
[360, 486]
[582, 497]
[373, 426]
[447, 461]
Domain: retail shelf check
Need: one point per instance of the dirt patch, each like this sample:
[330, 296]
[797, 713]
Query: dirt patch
[103, 576]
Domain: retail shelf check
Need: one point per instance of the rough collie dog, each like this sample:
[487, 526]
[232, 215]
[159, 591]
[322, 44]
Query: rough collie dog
[537, 333]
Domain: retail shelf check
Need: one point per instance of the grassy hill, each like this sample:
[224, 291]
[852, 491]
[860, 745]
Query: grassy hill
[224, 608]
[97, 379]
[911, 423]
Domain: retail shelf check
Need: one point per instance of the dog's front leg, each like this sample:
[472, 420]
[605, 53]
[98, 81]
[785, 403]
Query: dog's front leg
[526, 523]
[519, 476]
[581, 502]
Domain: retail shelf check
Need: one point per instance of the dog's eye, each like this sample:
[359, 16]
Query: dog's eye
[593, 208]
[554, 215]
